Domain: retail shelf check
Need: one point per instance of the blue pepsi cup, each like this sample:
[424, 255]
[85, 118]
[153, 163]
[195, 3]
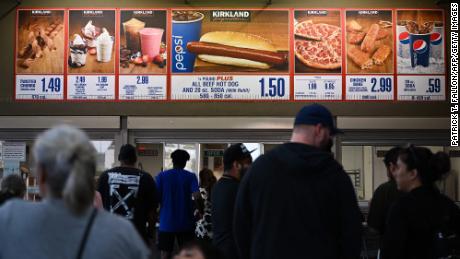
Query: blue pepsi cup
[419, 49]
[184, 31]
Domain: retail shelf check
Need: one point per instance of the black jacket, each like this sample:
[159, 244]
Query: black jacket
[384, 196]
[297, 202]
[413, 221]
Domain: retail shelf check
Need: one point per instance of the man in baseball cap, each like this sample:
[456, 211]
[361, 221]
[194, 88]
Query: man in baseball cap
[296, 200]
[237, 159]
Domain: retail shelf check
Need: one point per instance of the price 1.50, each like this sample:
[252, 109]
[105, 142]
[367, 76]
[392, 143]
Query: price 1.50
[276, 87]
[53, 85]
[384, 84]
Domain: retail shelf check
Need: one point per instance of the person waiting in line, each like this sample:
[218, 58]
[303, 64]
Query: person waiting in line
[130, 192]
[176, 188]
[65, 224]
[13, 186]
[237, 160]
[385, 194]
[296, 201]
[199, 249]
[423, 215]
[203, 229]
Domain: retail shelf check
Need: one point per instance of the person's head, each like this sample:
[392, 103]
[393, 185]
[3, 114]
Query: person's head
[13, 186]
[179, 158]
[198, 250]
[237, 160]
[314, 125]
[418, 166]
[390, 159]
[207, 178]
[127, 155]
[66, 165]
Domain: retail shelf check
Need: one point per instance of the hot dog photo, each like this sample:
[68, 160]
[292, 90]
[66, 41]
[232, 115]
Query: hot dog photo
[318, 41]
[369, 47]
[40, 42]
[230, 41]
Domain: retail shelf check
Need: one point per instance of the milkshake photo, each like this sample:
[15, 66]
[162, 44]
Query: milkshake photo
[91, 42]
[143, 42]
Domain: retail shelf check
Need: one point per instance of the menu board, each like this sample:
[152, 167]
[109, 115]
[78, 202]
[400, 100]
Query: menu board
[318, 52]
[251, 48]
[91, 55]
[420, 51]
[143, 55]
[230, 55]
[39, 55]
[369, 51]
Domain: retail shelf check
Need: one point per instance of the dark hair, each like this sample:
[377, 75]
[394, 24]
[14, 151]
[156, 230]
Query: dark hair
[127, 154]
[207, 179]
[12, 187]
[179, 158]
[430, 167]
[209, 251]
[391, 156]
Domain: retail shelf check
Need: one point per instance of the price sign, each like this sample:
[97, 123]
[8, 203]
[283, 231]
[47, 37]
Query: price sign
[370, 88]
[82, 87]
[142, 87]
[50, 87]
[230, 87]
[421, 88]
[318, 88]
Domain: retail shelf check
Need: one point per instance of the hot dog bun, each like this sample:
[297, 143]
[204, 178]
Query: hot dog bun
[240, 40]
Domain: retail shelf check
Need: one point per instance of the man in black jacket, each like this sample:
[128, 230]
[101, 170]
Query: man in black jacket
[297, 201]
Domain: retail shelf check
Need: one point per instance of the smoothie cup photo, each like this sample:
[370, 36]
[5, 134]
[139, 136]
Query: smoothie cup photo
[151, 41]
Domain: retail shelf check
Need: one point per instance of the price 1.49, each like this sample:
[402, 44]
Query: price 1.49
[53, 85]
[276, 87]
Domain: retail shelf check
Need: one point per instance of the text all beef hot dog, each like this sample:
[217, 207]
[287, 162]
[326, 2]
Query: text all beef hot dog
[237, 49]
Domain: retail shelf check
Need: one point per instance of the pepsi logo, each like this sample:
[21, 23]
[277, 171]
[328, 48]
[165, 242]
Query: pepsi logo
[436, 38]
[420, 46]
[404, 37]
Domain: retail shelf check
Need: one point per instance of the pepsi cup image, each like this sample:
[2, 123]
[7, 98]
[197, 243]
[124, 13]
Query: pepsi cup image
[186, 27]
[420, 49]
[436, 48]
[403, 40]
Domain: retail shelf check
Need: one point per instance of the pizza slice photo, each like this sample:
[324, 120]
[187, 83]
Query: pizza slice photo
[317, 46]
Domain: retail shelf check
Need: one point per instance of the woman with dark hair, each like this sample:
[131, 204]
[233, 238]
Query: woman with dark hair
[203, 228]
[421, 220]
[13, 186]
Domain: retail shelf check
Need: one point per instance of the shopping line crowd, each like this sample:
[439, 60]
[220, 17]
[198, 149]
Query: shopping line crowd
[295, 201]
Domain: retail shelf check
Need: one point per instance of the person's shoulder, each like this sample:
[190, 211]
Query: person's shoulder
[16, 208]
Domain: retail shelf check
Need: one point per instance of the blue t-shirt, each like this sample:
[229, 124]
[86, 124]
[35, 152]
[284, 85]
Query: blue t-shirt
[175, 188]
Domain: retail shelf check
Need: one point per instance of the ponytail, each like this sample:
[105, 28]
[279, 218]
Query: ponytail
[439, 165]
[68, 157]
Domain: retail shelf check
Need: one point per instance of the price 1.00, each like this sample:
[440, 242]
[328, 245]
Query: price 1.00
[276, 87]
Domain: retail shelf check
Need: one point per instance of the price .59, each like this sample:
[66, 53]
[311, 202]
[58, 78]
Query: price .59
[53, 85]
